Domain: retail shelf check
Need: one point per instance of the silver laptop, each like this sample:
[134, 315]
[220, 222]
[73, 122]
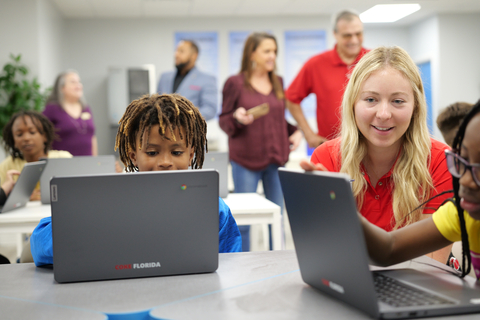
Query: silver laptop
[219, 162]
[333, 257]
[57, 167]
[134, 225]
[23, 188]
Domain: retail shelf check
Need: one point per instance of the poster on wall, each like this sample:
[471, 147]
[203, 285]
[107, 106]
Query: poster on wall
[426, 74]
[300, 45]
[236, 41]
[207, 43]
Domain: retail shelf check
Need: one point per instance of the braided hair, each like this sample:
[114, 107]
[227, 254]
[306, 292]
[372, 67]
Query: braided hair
[170, 111]
[456, 146]
[43, 125]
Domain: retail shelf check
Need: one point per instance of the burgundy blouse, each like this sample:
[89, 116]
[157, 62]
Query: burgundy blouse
[263, 142]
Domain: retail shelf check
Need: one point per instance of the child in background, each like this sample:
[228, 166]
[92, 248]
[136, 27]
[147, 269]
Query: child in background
[450, 118]
[27, 137]
[157, 132]
[457, 220]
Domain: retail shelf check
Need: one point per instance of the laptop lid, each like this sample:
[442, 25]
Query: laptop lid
[79, 165]
[313, 201]
[134, 225]
[219, 162]
[23, 188]
[332, 253]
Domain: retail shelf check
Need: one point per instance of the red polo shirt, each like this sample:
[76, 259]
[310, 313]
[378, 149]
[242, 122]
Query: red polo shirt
[377, 205]
[326, 76]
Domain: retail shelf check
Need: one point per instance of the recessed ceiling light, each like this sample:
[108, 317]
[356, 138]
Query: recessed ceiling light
[388, 12]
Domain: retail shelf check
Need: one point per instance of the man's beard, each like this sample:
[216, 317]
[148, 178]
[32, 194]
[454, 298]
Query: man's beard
[181, 66]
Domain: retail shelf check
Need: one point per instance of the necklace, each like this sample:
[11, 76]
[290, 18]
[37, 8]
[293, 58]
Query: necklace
[80, 123]
[81, 127]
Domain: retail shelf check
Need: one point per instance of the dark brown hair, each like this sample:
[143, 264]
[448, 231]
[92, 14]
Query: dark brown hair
[193, 45]
[251, 44]
[450, 118]
[43, 125]
[170, 112]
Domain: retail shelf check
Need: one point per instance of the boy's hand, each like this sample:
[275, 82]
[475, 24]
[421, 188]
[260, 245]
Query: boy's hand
[7, 186]
[308, 166]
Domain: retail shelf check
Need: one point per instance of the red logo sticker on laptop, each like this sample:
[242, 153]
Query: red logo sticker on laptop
[454, 263]
[333, 286]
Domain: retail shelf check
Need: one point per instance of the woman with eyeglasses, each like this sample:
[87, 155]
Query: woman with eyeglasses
[400, 173]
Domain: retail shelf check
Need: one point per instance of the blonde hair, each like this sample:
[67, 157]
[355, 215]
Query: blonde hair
[411, 176]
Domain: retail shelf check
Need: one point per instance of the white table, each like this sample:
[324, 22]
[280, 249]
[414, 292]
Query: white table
[252, 208]
[23, 221]
[247, 209]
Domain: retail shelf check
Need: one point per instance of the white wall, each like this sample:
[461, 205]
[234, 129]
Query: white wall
[424, 44]
[449, 41]
[32, 28]
[18, 32]
[50, 26]
[459, 56]
[376, 36]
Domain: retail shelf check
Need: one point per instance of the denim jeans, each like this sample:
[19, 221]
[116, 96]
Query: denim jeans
[246, 180]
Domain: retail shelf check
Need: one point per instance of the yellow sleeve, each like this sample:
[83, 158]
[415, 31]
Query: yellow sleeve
[10, 164]
[59, 154]
[447, 222]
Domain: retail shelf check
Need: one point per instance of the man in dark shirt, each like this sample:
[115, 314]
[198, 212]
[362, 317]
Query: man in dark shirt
[198, 87]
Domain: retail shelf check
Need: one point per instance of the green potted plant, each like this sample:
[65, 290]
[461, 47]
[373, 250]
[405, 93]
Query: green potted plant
[17, 92]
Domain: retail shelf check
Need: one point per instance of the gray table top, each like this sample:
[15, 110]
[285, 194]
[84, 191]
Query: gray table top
[255, 285]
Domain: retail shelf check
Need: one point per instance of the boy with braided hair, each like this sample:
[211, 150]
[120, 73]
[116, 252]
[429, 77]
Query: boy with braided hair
[157, 132]
[173, 117]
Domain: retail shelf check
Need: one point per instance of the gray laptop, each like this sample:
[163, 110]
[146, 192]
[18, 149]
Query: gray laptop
[57, 167]
[134, 225]
[219, 162]
[333, 257]
[23, 188]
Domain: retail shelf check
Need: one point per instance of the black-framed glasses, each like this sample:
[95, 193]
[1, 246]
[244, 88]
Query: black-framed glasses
[458, 166]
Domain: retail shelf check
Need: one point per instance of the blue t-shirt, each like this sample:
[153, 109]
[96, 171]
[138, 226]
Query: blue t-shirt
[229, 239]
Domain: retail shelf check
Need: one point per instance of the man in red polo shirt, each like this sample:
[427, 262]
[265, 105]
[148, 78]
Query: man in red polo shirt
[326, 76]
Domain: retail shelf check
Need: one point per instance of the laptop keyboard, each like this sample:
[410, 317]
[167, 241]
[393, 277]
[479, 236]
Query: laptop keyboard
[398, 294]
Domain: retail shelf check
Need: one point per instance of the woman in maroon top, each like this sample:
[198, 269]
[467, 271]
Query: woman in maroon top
[257, 147]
